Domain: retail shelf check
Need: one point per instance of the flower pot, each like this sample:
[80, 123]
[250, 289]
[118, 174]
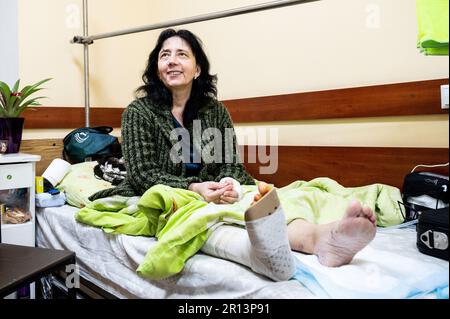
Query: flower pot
[11, 131]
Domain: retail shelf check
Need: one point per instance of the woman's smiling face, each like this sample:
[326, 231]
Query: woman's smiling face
[177, 66]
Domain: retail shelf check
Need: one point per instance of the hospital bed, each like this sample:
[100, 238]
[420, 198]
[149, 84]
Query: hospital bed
[108, 263]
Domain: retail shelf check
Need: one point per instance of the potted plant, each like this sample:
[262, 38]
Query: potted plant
[12, 103]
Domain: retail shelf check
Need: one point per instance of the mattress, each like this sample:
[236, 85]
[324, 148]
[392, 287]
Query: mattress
[110, 261]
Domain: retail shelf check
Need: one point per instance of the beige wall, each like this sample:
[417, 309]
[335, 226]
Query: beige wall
[45, 30]
[324, 45]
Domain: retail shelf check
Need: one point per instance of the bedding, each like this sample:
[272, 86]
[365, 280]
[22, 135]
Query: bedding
[110, 261]
[390, 267]
[182, 221]
[183, 224]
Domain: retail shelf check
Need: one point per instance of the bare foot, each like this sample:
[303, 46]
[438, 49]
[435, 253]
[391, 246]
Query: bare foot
[339, 241]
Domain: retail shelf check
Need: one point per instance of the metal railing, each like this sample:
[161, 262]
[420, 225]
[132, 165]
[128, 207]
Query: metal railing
[87, 40]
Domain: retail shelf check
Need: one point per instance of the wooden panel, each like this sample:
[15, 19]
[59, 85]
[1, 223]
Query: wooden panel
[71, 117]
[49, 149]
[412, 98]
[350, 166]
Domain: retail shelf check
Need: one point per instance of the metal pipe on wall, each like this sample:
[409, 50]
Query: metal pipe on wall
[86, 65]
[199, 18]
[86, 40]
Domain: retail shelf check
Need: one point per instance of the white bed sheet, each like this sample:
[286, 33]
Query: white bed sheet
[110, 262]
[389, 267]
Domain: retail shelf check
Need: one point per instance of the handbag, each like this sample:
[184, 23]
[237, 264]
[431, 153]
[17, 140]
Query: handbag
[426, 200]
[424, 191]
[89, 142]
[432, 232]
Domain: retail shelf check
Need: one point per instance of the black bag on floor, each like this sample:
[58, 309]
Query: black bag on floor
[432, 232]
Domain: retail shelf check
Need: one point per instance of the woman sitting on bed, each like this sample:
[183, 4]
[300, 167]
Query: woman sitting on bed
[179, 92]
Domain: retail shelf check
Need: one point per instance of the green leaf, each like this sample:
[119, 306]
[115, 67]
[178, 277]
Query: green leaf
[16, 86]
[13, 106]
[3, 112]
[2, 101]
[12, 101]
[6, 94]
[26, 90]
[22, 108]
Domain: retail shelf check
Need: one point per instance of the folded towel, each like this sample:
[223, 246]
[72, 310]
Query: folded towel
[432, 18]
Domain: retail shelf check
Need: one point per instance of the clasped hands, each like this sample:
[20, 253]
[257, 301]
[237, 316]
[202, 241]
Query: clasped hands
[216, 192]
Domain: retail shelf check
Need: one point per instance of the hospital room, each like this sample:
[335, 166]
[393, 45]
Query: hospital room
[239, 150]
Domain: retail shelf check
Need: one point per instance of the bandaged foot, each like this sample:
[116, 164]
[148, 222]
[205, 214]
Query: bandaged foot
[266, 227]
[338, 242]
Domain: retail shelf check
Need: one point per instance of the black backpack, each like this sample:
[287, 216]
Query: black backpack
[90, 143]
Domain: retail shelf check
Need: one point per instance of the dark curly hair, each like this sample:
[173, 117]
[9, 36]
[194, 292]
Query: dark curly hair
[203, 88]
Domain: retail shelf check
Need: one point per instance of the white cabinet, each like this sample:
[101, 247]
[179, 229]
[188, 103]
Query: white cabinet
[17, 198]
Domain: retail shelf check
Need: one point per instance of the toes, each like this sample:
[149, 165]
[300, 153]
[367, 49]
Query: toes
[256, 198]
[354, 209]
[369, 214]
[263, 188]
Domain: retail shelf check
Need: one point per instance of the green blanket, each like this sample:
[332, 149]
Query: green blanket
[182, 221]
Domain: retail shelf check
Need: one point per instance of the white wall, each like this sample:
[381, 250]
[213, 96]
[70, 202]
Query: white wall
[323, 45]
[47, 26]
[9, 47]
[316, 46]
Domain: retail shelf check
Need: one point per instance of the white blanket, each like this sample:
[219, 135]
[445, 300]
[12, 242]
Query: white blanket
[110, 262]
[389, 267]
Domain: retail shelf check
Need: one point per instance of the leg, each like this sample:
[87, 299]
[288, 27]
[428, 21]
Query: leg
[270, 252]
[269, 249]
[336, 243]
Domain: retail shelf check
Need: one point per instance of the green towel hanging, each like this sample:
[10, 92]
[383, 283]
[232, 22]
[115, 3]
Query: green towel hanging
[432, 18]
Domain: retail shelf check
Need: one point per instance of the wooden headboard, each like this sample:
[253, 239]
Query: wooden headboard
[350, 166]
[49, 149]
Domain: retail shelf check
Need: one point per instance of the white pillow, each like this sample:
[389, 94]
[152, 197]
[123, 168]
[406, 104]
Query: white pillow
[80, 183]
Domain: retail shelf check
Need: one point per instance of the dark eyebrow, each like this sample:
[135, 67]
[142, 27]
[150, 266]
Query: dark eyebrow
[178, 50]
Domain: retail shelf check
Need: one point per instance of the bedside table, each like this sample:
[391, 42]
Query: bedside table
[17, 198]
[22, 265]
